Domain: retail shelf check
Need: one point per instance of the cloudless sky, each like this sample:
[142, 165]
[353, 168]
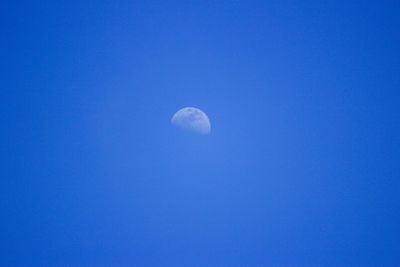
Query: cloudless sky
[301, 167]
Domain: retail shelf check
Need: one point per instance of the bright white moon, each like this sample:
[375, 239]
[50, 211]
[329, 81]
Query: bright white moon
[192, 119]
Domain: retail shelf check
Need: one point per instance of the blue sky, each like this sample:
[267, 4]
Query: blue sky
[301, 167]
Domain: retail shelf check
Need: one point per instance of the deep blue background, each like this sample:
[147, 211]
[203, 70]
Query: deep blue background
[301, 168]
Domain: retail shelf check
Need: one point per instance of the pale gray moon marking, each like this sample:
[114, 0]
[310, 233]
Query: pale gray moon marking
[192, 119]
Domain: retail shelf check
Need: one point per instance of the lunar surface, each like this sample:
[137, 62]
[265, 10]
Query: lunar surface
[192, 119]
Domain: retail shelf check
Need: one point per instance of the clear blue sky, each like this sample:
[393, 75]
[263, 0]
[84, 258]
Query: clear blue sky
[301, 167]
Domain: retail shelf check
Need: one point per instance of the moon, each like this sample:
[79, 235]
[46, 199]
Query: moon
[192, 119]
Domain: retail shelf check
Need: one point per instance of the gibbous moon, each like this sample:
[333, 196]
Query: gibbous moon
[192, 119]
